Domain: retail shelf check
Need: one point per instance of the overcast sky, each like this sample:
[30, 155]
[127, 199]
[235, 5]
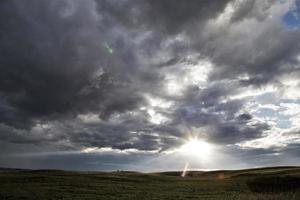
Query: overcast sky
[123, 84]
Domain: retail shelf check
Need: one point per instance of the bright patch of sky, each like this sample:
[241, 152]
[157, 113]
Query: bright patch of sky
[292, 18]
[268, 108]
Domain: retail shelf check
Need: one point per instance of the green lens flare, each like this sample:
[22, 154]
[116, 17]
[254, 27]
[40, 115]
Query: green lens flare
[109, 50]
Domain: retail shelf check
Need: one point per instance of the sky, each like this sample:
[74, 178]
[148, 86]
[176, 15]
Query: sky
[149, 85]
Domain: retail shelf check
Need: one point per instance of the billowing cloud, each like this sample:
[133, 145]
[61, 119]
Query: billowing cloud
[143, 76]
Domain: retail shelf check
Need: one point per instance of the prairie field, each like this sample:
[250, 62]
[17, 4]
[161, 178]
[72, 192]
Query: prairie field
[262, 184]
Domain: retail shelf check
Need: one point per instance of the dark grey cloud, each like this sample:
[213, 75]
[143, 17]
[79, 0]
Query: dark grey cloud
[181, 16]
[54, 62]
[167, 16]
[240, 49]
[251, 9]
[243, 10]
[245, 116]
[80, 74]
[106, 161]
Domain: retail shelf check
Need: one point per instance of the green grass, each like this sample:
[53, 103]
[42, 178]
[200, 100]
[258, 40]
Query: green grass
[235, 185]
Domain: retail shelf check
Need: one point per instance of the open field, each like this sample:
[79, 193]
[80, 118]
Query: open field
[262, 184]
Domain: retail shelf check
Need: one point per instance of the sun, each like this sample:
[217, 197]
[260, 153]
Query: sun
[197, 148]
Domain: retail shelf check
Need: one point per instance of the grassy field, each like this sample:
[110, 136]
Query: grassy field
[261, 184]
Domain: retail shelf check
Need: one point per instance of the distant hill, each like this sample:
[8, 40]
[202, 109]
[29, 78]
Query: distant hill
[282, 170]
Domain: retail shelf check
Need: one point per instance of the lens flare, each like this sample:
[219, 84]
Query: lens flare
[108, 48]
[185, 169]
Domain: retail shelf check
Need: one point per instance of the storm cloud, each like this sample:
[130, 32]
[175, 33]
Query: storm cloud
[144, 75]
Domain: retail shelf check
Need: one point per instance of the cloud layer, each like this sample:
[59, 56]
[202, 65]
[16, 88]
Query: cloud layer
[146, 75]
